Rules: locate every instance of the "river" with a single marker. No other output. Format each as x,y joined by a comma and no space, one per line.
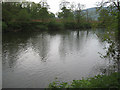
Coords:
33,60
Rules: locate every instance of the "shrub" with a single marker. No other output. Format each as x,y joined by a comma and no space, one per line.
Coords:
55,26
86,25
13,26
4,26
74,25
70,25
99,81
41,27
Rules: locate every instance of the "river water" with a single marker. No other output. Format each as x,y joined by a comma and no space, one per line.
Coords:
33,60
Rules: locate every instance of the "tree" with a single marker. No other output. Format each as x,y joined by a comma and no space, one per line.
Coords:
35,9
43,14
52,15
9,10
23,16
66,14
116,5
44,4
103,17
114,48
79,14
63,4
72,6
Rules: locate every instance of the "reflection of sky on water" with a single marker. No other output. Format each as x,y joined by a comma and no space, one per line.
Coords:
35,60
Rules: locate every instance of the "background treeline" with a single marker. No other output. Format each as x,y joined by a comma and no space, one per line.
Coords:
25,16
20,16
108,17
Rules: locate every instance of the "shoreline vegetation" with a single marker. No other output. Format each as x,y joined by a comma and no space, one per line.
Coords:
43,26
98,81
30,17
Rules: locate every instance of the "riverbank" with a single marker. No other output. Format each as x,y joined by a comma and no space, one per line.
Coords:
99,81
38,26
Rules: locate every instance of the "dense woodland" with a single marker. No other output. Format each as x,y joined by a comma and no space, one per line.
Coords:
19,16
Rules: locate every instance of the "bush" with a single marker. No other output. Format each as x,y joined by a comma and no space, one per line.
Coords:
41,27
86,25
99,81
38,26
74,25
13,26
55,26
94,25
70,25
4,26
23,16
79,26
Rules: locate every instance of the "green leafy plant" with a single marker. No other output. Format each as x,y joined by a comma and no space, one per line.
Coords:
98,81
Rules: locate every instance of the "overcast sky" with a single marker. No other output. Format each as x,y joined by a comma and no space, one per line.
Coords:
54,4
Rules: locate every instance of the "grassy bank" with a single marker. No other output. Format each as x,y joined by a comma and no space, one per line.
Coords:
99,81
37,26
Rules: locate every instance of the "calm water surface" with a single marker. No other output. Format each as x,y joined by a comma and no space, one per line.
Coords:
33,60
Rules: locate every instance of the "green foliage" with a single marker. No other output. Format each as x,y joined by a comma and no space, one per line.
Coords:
74,25
99,81
37,26
51,15
58,84
66,14
55,26
6,16
70,25
87,25
41,27
19,16
23,16
79,17
43,14
108,17
35,8
73,19
14,25
80,83
4,26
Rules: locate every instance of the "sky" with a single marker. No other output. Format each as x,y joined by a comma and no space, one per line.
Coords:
54,4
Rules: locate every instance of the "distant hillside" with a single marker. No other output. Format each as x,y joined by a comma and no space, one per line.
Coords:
92,13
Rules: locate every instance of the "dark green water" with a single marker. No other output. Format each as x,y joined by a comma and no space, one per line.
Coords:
33,60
